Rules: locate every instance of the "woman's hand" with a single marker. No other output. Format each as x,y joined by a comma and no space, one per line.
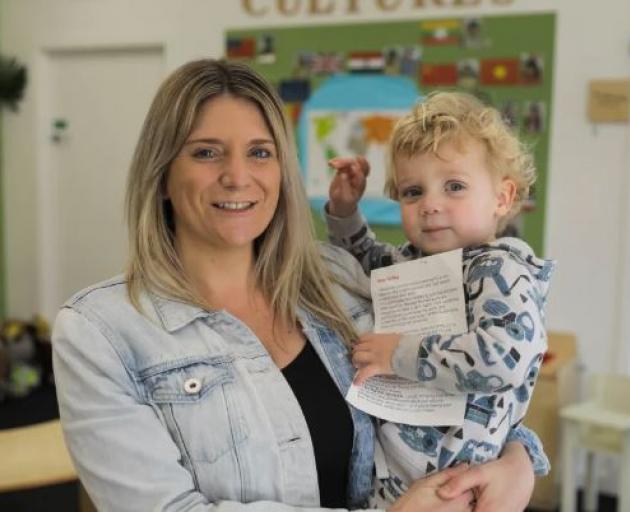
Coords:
422,496
505,484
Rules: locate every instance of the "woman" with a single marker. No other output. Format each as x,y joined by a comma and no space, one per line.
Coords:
211,376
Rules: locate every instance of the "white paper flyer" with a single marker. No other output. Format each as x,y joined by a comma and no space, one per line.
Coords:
423,296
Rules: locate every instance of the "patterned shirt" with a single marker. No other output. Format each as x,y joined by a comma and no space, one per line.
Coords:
495,363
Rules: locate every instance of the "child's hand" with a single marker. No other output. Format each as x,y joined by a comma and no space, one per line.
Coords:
372,355
348,185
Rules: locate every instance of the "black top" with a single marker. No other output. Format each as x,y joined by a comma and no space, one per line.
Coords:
329,423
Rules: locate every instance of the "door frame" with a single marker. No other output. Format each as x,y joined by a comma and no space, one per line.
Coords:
620,353
46,193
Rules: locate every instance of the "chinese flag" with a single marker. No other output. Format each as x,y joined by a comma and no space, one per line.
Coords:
499,72
439,74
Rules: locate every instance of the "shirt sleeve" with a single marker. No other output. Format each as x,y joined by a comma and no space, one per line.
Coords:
353,234
124,456
532,444
504,345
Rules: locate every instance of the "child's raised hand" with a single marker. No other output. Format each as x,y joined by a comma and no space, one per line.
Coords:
372,355
348,185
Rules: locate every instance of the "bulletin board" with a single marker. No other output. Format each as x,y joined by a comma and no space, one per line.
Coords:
345,85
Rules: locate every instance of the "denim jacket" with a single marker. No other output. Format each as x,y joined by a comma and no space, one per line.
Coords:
181,408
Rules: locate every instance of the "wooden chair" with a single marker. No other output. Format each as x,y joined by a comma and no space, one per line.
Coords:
555,389
36,456
600,424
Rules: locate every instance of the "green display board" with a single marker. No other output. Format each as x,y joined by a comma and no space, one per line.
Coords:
507,61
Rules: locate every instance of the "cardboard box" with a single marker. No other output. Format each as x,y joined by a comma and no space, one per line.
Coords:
556,387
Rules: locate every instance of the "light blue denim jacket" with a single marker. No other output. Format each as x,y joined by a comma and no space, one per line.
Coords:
183,409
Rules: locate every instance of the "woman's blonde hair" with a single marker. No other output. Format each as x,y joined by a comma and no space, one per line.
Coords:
288,268
453,116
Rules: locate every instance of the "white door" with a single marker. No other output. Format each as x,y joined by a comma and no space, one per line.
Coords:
96,103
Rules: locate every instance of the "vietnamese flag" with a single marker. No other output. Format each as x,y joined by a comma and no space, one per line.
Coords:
439,74
499,72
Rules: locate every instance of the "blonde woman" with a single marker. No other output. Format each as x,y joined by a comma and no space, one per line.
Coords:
211,375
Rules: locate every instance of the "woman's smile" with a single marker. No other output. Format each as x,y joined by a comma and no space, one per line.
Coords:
235,206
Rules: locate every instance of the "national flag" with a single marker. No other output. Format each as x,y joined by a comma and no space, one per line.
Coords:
326,63
499,71
440,32
294,90
365,62
241,47
439,74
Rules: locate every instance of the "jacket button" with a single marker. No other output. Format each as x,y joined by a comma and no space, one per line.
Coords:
192,386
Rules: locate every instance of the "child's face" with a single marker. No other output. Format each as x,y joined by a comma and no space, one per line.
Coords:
451,200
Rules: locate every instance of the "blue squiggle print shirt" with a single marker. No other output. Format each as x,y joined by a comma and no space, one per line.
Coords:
495,363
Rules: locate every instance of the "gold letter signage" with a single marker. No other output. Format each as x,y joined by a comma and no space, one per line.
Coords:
318,7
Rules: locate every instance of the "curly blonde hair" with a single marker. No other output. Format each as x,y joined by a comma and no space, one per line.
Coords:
453,116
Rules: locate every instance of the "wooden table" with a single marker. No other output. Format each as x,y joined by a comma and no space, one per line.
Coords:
34,456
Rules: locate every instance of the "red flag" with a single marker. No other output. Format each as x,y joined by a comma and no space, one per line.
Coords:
499,72
241,47
439,74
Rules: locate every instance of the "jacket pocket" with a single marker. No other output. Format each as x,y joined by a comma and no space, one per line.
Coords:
198,402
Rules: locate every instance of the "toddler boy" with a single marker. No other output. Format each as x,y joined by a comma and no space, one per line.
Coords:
459,175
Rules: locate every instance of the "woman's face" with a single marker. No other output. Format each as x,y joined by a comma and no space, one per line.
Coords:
225,183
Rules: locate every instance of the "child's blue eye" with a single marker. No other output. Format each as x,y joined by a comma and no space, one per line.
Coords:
411,193
455,186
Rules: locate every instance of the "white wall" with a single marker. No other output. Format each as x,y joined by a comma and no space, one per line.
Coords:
588,226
